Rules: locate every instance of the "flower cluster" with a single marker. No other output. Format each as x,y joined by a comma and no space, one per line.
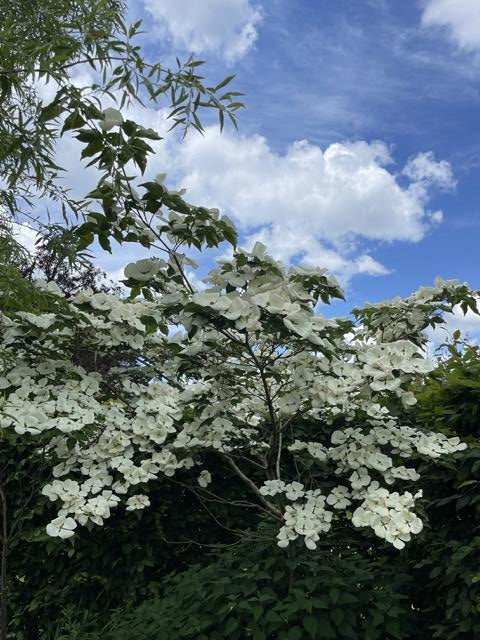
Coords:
308,519
389,515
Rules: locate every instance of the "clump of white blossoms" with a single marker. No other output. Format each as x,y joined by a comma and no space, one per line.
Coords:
279,395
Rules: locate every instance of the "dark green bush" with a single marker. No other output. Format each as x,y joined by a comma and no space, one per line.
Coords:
256,590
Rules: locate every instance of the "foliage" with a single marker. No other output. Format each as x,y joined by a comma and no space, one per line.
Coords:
56,259
253,590
445,560
119,565
445,563
167,424
450,399
46,41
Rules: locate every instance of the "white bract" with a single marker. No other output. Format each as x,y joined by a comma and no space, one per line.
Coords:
111,118
253,378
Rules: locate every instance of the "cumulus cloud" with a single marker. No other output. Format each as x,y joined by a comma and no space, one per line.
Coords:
460,17
311,205
424,168
314,205
224,27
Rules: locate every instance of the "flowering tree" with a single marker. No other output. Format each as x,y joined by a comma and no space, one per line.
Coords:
301,408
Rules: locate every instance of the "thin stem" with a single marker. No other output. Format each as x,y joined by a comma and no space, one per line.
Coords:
6,72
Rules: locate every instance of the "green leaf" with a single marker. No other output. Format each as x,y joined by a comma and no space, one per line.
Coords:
311,625
85,241
51,111
224,83
104,242
231,625
73,121
325,629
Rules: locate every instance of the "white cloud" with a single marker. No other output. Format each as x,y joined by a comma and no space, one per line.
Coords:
289,243
25,235
222,27
424,168
460,17
318,206
312,204
468,324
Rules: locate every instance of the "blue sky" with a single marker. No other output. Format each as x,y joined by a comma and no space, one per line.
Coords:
335,71
359,148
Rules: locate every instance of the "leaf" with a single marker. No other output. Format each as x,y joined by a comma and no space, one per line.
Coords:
224,82
51,111
73,121
231,625
104,242
311,625
85,241
257,613
325,629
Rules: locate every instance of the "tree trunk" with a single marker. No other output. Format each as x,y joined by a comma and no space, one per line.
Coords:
3,566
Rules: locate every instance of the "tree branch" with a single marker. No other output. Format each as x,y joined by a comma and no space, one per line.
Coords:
253,487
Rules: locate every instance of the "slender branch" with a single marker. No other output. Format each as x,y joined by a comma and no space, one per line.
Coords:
215,497
189,542
6,72
297,414
266,388
249,460
276,440
253,487
279,455
169,250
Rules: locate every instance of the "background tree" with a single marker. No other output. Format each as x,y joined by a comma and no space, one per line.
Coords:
46,41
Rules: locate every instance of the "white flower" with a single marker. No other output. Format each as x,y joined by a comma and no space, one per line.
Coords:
206,298
43,320
136,502
61,527
143,270
204,479
111,118
359,478
272,487
294,490
338,437
338,498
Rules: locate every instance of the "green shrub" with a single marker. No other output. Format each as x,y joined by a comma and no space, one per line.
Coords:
255,590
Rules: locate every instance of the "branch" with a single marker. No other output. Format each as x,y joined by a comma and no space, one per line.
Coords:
279,455
7,72
253,487
268,398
